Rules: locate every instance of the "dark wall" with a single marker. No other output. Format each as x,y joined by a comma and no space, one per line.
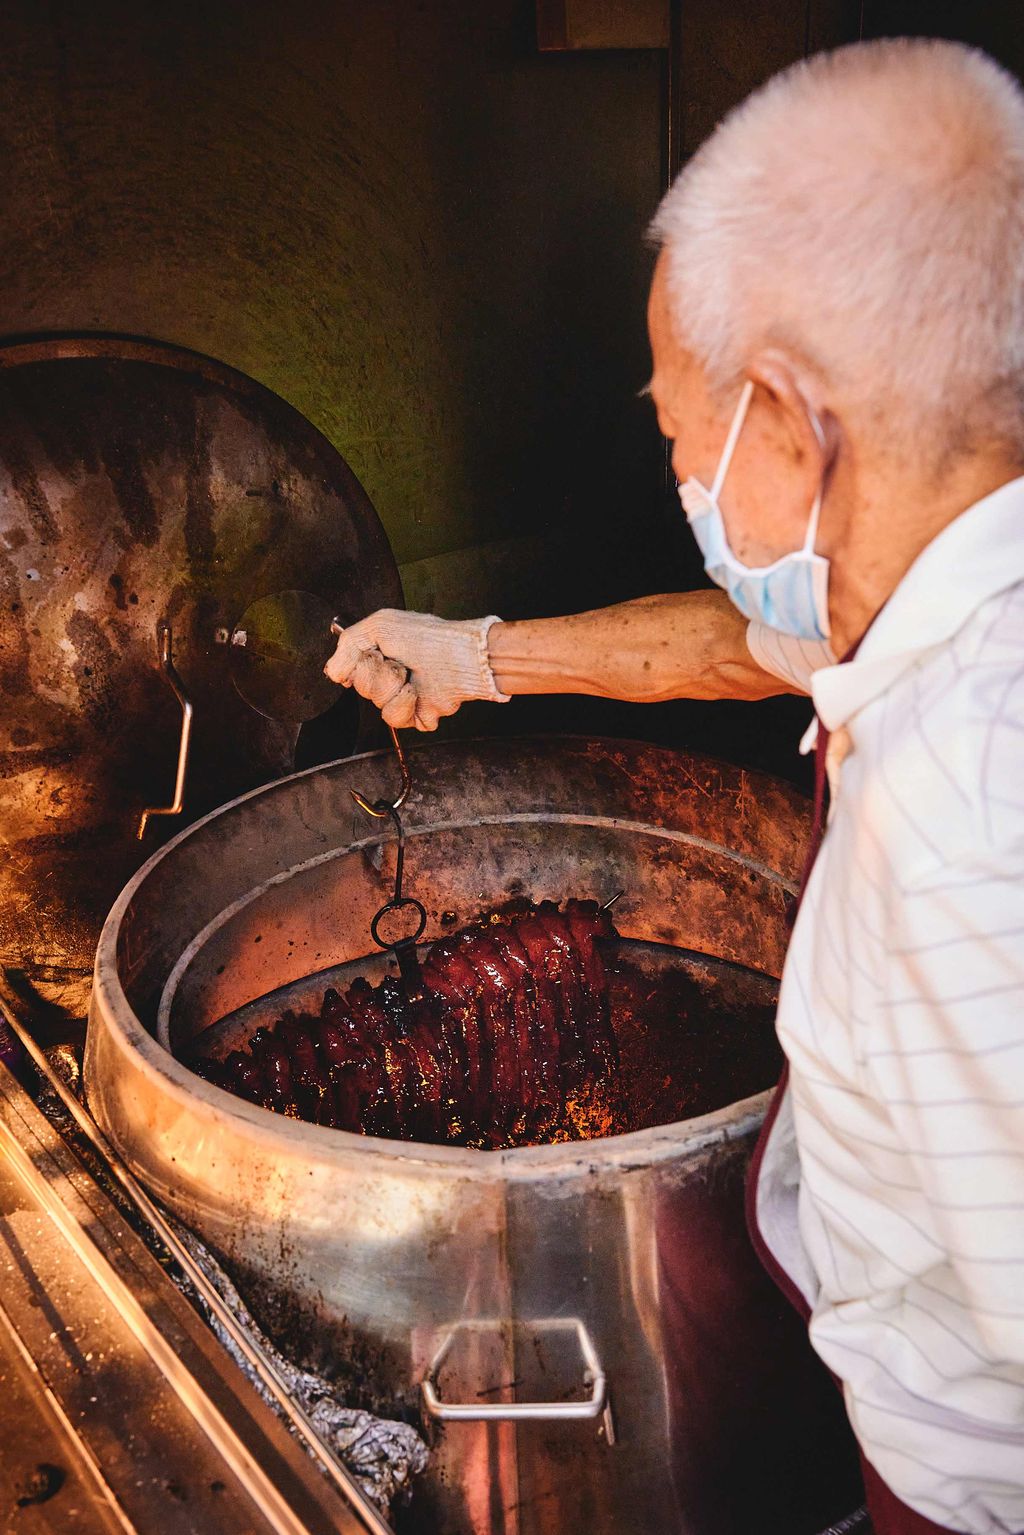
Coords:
397,215
995,25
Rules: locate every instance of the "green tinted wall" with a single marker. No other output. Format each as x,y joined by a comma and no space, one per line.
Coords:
399,216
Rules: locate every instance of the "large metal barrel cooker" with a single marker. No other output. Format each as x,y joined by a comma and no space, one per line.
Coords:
581,1328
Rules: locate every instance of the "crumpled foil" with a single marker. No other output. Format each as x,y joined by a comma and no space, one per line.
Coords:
64,1061
383,1455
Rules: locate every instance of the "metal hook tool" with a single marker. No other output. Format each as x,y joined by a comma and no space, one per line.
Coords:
404,949
383,807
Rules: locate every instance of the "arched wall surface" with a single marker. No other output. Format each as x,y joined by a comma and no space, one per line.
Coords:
399,216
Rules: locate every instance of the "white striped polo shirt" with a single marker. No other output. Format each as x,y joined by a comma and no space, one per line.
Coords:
892,1187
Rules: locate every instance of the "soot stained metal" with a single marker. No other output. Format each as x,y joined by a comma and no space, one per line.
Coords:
142,486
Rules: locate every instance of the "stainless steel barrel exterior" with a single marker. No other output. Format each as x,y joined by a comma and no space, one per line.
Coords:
532,1271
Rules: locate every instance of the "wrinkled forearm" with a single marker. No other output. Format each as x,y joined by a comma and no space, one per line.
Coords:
678,645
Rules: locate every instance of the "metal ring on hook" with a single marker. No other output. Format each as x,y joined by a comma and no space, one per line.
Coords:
403,901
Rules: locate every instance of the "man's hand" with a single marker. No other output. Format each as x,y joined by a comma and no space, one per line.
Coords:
416,668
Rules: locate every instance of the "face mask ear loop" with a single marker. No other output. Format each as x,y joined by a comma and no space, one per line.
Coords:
812,526
730,442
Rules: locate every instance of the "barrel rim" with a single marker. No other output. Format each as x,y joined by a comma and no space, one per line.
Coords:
111,1011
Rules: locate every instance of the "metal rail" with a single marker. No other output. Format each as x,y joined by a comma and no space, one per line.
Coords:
263,1367
223,1437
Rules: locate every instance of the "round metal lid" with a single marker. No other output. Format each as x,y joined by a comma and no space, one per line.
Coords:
142,485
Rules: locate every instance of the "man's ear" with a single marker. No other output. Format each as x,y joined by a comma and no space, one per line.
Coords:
808,426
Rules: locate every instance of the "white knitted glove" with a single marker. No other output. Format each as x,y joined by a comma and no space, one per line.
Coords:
416,667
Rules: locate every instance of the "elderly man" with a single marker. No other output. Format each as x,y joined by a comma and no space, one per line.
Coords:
837,323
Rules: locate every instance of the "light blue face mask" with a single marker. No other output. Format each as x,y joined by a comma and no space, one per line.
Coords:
791,594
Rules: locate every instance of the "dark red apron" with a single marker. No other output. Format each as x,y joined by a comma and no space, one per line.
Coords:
889,1515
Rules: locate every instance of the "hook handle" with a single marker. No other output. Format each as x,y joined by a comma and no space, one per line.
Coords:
164,643
381,807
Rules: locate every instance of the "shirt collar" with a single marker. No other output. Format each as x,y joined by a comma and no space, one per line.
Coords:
978,555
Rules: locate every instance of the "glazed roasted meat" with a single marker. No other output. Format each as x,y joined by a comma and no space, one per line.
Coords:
511,1025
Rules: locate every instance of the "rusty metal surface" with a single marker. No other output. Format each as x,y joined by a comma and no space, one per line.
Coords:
141,483
367,1254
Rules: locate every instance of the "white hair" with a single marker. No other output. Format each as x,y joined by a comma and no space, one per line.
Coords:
865,208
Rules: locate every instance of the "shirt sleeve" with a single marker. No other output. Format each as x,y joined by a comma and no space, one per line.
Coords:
793,660
949,1068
